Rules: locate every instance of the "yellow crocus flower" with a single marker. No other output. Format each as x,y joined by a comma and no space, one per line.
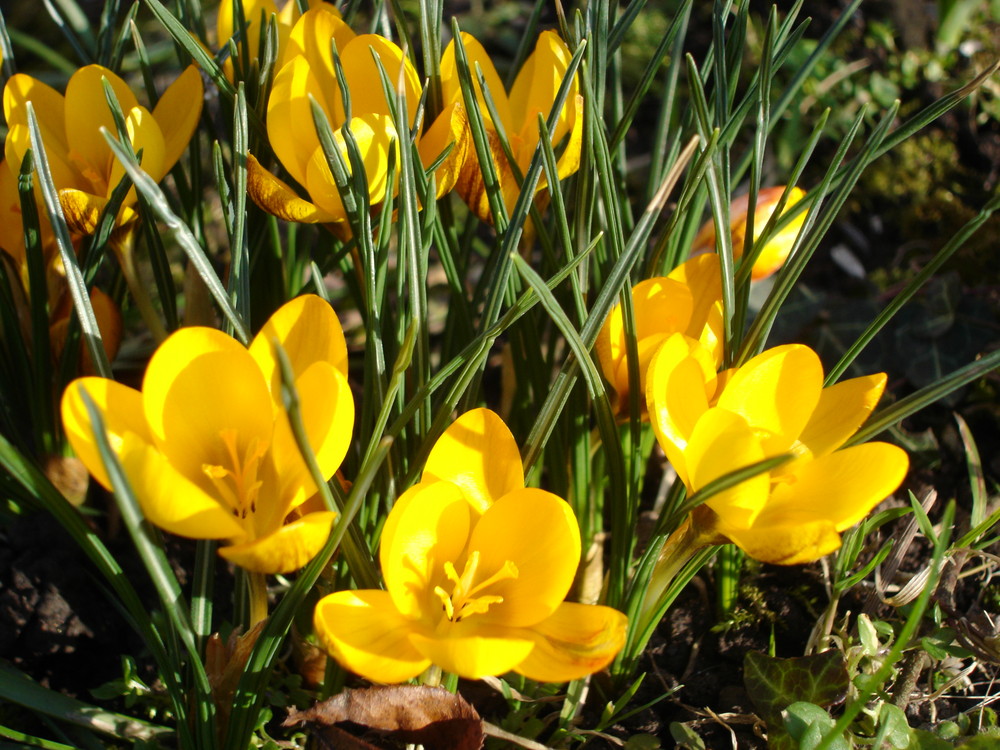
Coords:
207,446
533,94
84,170
253,11
774,253
476,569
688,300
774,404
307,73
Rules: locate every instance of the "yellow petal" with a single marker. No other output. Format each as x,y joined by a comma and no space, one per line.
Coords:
840,487
252,10
290,125
702,275
723,442
49,107
109,323
145,137
680,384
169,499
427,527
177,114
535,88
363,79
842,409
365,633
121,408
327,410
575,641
569,159
11,227
478,454
200,382
474,650
64,174
88,106
451,128
647,347
311,39
278,199
452,92
286,549
308,330
50,111
774,253
538,533
776,392
787,545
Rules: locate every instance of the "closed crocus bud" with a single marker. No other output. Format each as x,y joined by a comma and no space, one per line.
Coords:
774,253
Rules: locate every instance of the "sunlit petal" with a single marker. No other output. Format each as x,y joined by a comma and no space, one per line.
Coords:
286,549
723,442
86,100
177,114
776,392
787,545
311,39
121,409
474,650
574,641
364,81
366,634
200,383
145,138
169,499
308,330
476,55
429,526
841,487
842,409
327,412
290,125
477,453
546,553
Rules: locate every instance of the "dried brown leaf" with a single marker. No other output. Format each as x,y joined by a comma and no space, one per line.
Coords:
423,715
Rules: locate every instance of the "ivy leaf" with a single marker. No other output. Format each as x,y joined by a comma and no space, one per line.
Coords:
774,684
807,723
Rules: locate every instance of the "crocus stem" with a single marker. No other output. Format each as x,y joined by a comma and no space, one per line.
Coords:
126,259
258,597
685,540
431,676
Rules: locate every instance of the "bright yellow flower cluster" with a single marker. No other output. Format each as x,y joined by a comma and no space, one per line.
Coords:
307,73
775,404
84,170
476,569
207,445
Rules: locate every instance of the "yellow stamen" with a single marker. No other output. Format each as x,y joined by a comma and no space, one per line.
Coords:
237,482
464,599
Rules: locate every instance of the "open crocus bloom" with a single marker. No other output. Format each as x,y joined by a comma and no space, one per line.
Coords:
476,568
774,253
84,170
687,301
774,404
533,94
308,73
207,445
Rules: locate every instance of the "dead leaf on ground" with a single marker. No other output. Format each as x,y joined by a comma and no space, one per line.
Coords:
423,715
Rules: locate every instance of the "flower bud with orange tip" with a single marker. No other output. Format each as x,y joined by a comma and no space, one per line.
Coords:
774,253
